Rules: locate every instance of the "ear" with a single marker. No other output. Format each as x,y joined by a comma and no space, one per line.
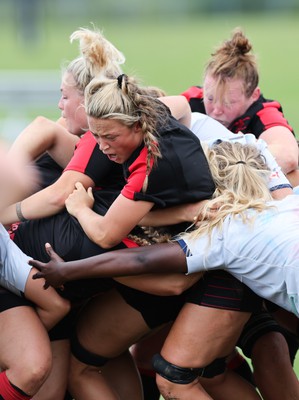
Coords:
256,94
137,127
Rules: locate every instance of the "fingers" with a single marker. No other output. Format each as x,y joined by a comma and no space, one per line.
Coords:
89,192
78,185
52,254
40,275
37,264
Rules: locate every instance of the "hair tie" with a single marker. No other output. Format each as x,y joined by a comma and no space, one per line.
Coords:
120,80
240,162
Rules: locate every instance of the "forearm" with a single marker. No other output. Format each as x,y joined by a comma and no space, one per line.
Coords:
43,135
171,284
173,215
160,258
283,146
42,204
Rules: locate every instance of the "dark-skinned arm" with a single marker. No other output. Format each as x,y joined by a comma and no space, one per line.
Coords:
159,258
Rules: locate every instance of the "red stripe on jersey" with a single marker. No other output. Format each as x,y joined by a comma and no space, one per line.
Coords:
271,116
193,92
82,153
137,175
129,243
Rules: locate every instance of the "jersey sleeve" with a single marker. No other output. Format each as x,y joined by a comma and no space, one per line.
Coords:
194,95
203,253
137,175
271,115
89,160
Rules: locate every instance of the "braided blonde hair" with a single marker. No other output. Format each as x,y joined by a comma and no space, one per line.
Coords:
124,100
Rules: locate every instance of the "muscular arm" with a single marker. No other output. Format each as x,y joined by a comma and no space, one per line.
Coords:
108,230
283,145
48,201
179,108
43,135
173,215
160,258
164,284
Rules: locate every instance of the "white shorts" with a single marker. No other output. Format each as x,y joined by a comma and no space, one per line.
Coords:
14,267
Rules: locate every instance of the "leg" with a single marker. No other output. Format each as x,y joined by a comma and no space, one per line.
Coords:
143,352
118,325
56,384
263,340
198,337
273,371
51,307
25,349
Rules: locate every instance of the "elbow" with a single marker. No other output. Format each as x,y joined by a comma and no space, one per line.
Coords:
176,287
57,200
106,243
292,164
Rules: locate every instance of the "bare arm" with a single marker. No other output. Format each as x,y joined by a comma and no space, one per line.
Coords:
179,108
160,258
173,215
168,284
283,145
43,135
48,201
108,230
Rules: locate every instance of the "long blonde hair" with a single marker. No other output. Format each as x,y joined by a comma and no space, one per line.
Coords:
241,178
98,58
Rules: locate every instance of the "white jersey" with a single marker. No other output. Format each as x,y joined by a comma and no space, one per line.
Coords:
207,128
14,267
264,255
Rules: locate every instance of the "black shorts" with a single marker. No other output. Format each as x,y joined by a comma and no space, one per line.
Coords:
219,289
156,310
10,300
258,325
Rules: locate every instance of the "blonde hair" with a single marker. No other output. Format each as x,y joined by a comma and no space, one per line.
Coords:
98,58
241,178
233,59
124,100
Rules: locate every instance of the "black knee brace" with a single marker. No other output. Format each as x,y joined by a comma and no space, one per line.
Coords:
181,375
86,356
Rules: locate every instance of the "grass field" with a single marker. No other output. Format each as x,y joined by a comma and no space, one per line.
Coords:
171,53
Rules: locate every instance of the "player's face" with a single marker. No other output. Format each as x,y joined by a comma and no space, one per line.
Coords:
71,104
230,104
115,139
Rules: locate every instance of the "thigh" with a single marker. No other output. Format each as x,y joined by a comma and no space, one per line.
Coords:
23,341
200,334
56,384
110,318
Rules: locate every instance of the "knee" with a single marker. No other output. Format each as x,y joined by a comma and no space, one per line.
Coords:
32,375
170,375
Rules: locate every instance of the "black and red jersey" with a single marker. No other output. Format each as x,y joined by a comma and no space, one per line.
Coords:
260,116
181,175
106,174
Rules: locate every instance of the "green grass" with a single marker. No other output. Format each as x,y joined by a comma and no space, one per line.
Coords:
171,53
